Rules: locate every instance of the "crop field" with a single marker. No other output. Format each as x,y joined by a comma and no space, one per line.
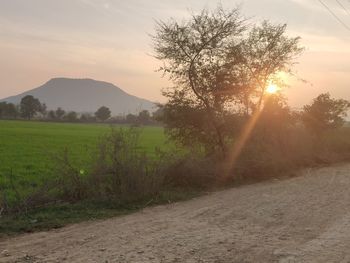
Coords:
28,149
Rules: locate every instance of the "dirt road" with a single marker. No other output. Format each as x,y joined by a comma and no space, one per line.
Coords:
303,219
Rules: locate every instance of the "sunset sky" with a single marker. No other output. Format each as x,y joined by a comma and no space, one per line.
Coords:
109,40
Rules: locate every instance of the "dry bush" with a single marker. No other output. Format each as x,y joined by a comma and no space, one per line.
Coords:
70,183
334,145
192,171
286,152
121,173
121,170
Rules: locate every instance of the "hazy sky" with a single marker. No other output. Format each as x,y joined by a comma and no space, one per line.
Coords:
109,40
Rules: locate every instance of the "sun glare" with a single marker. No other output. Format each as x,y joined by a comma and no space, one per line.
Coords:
272,89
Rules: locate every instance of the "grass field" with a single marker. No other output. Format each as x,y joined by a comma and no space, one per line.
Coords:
27,149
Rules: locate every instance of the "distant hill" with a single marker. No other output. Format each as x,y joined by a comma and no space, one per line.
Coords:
85,95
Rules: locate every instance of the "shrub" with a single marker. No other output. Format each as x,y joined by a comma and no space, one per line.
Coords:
325,113
71,183
192,171
119,172
122,171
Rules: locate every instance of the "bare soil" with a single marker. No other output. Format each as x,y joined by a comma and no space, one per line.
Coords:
302,219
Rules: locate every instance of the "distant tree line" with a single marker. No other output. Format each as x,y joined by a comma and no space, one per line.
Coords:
30,108
8,111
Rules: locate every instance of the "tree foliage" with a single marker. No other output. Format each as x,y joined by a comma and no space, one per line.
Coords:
220,66
8,110
51,115
103,113
325,113
71,116
144,117
60,113
86,117
30,106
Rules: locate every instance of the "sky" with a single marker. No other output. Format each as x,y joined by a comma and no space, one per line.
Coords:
110,40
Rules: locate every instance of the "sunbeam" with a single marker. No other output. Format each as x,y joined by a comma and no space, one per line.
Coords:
241,142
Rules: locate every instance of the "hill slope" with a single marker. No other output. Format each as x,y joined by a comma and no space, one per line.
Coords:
85,95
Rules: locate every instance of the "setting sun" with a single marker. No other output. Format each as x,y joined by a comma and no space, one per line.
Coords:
272,89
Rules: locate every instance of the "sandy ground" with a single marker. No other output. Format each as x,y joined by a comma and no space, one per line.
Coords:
302,219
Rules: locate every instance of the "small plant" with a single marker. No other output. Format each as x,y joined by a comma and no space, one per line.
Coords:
71,183
122,171
13,201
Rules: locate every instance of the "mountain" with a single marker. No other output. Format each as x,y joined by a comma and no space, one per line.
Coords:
85,95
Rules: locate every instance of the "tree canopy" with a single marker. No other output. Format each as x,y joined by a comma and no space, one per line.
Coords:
60,113
220,64
30,106
8,110
325,113
103,113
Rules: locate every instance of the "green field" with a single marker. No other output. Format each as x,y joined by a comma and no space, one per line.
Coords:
28,149
27,160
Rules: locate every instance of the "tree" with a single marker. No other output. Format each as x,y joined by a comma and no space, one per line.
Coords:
144,117
87,117
8,110
159,113
51,115
60,113
325,113
71,116
43,110
103,113
275,121
220,67
131,118
29,106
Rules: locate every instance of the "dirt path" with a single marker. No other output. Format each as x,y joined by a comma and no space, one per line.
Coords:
303,219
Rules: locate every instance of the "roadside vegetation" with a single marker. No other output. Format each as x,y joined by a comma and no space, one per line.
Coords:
225,116
28,150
